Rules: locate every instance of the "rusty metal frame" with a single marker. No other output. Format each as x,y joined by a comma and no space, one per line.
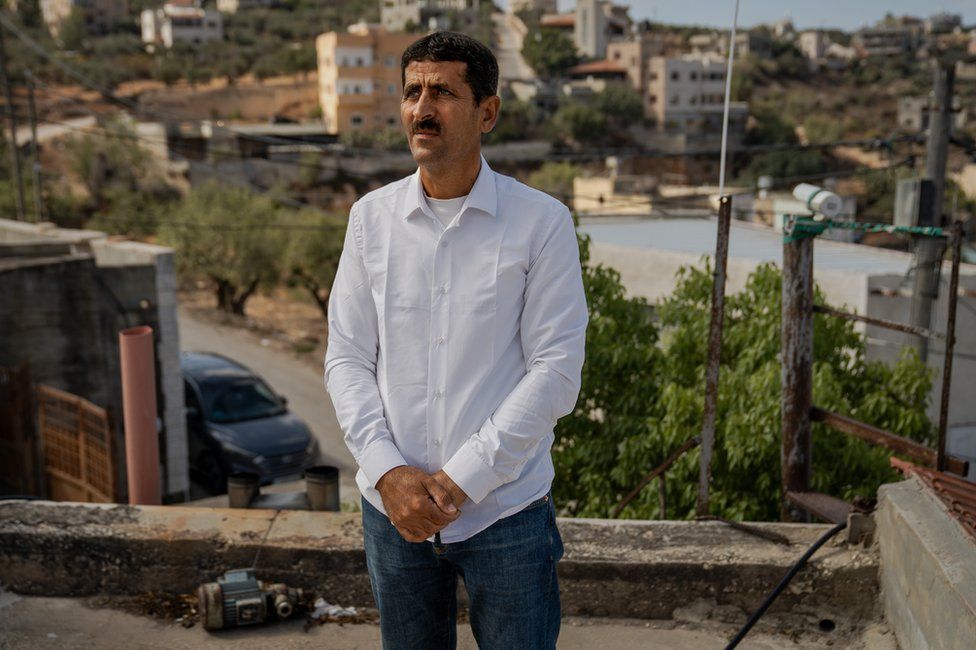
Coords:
879,322
716,324
797,354
882,438
688,444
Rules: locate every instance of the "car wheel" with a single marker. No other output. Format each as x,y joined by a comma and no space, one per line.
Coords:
212,473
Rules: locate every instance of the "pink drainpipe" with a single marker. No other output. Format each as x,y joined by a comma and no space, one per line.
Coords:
139,411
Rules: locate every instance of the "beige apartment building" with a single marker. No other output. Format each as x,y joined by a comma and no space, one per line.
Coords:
686,94
359,77
100,15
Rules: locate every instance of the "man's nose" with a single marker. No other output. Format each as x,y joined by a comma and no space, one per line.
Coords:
424,107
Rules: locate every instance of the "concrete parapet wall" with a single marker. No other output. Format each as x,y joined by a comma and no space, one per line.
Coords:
928,570
610,568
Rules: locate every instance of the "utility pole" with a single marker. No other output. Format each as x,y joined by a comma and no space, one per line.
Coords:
929,250
12,122
35,159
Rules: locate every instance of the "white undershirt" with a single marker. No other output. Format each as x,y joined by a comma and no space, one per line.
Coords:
445,209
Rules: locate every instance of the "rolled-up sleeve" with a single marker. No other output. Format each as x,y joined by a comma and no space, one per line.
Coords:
553,333
350,362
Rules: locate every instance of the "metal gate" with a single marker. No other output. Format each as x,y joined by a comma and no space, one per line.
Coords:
79,448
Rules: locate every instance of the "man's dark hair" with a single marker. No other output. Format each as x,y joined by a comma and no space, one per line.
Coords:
480,71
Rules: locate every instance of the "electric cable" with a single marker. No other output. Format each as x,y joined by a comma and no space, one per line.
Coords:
783,584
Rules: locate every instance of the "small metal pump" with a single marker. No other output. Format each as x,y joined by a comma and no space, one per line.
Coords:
239,598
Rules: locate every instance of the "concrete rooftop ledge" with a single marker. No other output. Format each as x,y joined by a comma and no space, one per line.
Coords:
928,569
623,569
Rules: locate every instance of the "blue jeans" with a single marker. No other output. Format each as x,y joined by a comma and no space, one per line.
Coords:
509,573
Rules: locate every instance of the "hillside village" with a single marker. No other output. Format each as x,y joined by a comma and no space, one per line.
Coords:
183,172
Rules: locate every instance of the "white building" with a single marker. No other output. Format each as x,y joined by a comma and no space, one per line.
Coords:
813,44
233,6
686,94
100,15
181,22
399,15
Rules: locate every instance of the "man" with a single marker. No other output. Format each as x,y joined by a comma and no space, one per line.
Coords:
456,334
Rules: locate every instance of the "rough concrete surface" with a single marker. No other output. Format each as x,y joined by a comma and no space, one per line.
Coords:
619,569
928,569
38,622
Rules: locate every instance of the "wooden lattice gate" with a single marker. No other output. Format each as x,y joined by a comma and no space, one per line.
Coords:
79,448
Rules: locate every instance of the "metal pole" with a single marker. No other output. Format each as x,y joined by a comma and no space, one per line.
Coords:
714,352
728,98
35,159
138,365
12,123
949,344
928,250
797,373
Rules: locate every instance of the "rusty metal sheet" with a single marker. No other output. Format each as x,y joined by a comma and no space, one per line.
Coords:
958,494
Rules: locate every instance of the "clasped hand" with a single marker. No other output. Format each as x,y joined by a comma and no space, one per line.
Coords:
419,504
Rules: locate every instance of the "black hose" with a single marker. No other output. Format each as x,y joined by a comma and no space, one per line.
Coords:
782,585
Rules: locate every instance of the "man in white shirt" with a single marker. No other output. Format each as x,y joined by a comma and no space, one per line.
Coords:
456,334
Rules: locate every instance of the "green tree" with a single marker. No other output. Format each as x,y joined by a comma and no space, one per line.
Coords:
621,104
109,159
549,52
642,396
579,123
227,235
314,257
73,30
555,178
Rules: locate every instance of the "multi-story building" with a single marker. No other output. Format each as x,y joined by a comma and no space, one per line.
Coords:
886,41
686,95
359,77
942,23
402,15
813,44
233,6
181,21
100,15
754,43
913,114
544,6
593,24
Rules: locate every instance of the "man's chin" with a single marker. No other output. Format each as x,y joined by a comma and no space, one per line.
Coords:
423,154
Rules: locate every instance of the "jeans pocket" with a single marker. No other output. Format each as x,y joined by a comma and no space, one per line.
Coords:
555,539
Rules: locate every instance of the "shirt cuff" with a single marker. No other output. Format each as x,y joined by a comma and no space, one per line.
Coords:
470,472
378,459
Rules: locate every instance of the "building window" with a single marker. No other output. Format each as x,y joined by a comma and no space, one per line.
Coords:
674,100
390,61
652,76
391,121
693,100
391,89
356,120
359,61
675,76
694,76
652,99
616,56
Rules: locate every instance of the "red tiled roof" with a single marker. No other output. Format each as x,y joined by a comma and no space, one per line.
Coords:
958,494
558,20
594,67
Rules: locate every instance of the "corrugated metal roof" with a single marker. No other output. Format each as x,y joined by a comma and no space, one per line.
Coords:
746,241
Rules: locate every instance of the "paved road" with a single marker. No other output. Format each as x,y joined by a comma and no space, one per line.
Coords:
290,376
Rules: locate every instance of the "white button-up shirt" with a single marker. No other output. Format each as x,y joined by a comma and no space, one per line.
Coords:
457,347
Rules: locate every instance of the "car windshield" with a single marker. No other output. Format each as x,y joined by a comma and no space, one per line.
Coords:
244,399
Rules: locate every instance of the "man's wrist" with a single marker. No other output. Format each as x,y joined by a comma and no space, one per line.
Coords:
386,474
458,496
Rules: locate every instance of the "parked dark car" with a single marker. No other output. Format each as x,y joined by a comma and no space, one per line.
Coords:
236,423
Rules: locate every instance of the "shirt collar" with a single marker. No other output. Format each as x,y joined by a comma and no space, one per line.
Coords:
483,195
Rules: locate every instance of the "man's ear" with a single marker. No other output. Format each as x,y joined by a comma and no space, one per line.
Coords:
489,113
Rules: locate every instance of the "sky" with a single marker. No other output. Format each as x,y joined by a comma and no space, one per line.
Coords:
845,14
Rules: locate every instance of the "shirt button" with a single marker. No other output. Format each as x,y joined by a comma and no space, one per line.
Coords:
437,443
438,394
